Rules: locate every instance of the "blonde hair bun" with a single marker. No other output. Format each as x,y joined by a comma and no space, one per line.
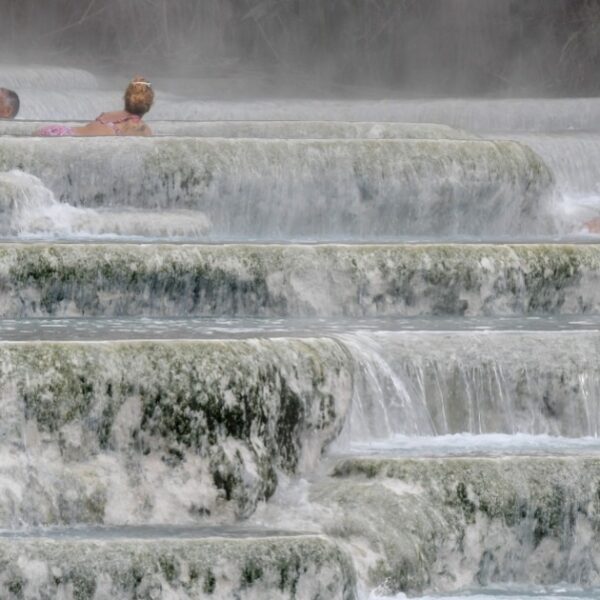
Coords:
139,96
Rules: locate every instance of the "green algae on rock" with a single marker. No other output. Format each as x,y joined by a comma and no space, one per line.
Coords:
187,430
451,523
281,568
298,281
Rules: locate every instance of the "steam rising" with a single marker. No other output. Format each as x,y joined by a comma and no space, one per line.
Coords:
425,46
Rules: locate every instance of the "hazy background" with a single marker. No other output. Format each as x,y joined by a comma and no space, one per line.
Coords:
353,47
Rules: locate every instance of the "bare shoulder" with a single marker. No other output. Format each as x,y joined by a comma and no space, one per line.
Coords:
111,117
138,128
145,129
94,128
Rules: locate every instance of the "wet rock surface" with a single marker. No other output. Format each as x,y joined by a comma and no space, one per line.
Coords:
296,281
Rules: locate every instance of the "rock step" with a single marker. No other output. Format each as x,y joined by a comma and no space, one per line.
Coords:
154,566
297,280
474,114
177,431
109,433
455,523
293,189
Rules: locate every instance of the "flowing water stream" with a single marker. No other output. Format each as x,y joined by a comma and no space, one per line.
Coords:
299,349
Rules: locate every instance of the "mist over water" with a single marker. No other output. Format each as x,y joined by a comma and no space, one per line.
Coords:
341,47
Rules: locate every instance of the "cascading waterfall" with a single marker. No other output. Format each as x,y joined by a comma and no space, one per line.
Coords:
573,159
30,208
504,189
382,405
31,211
361,190
320,387
436,384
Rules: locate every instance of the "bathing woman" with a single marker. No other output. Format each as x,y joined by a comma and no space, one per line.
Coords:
139,97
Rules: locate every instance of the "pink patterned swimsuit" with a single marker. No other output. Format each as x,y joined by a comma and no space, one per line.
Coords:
127,117
64,130
55,131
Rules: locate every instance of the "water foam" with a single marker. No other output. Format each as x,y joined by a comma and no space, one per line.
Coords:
30,208
33,213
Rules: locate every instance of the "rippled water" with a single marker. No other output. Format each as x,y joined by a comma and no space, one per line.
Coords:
509,593
466,444
88,329
145,532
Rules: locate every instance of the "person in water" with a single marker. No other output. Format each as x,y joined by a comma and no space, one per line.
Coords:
139,97
9,104
592,226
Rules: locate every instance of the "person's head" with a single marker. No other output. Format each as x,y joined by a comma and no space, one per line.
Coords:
139,97
9,104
